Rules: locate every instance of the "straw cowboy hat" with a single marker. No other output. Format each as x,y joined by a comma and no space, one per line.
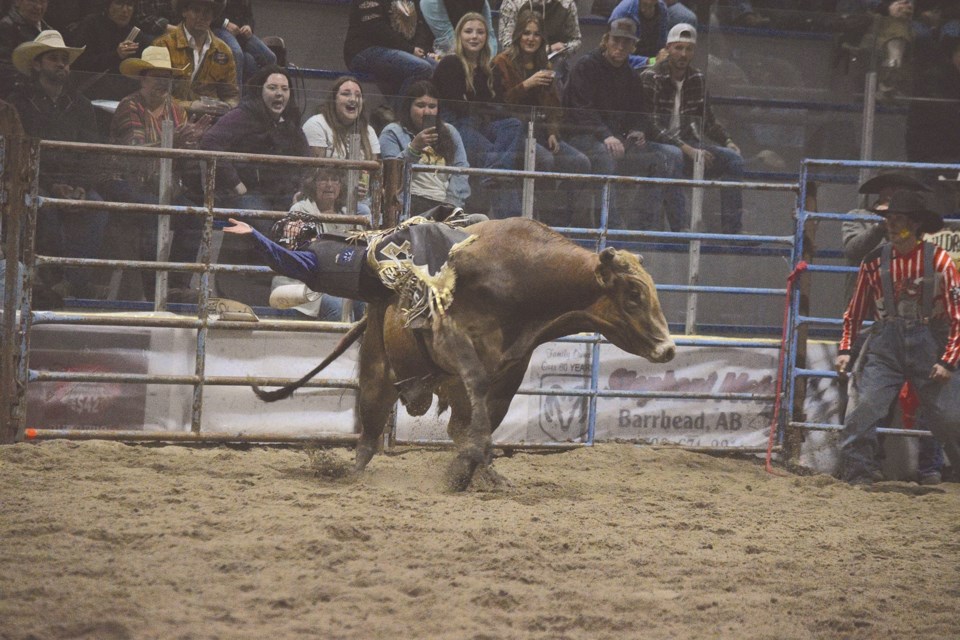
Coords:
152,59
179,6
914,205
50,40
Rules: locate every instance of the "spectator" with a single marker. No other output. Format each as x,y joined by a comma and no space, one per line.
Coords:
328,133
249,51
676,94
561,28
933,126
859,239
156,18
603,102
266,122
23,23
49,109
389,40
523,76
104,34
66,15
322,195
420,137
910,287
468,102
443,15
212,85
653,22
138,122
678,12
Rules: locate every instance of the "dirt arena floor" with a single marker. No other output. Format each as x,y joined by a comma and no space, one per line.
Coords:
109,541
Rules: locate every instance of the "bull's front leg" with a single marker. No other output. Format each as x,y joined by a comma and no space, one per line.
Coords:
377,395
470,419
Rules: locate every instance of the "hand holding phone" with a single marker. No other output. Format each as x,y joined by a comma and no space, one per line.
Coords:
429,121
132,36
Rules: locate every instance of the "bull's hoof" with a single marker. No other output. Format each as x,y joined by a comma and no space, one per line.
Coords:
485,478
364,455
460,473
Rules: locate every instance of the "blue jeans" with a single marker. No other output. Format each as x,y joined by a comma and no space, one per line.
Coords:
898,351
331,309
69,233
678,13
249,56
562,201
727,165
393,70
639,201
493,145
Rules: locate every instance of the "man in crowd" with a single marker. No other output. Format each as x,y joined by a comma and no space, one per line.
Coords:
933,126
211,83
49,109
859,238
653,24
603,106
23,23
676,94
912,289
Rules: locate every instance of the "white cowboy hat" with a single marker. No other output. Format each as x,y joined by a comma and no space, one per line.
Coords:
152,59
49,40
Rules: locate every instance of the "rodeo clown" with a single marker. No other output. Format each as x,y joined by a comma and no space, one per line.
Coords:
912,289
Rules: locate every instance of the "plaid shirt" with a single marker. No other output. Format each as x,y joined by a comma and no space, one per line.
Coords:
659,92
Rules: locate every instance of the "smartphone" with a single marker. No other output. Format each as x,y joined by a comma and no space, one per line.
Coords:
429,120
132,36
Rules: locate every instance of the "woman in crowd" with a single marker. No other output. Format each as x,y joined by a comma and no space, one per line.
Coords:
322,194
420,137
389,40
468,102
443,15
522,76
266,122
104,34
328,132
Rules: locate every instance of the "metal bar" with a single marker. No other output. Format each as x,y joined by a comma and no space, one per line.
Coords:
31,172
220,212
153,378
158,152
868,121
693,264
164,235
174,322
200,361
529,165
879,164
376,199
406,193
618,393
683,182
707,289
823,426
187,436
353,152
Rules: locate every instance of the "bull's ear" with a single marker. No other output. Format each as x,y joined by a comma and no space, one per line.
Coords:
606,270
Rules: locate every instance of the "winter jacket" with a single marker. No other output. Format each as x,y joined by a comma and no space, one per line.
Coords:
217,76
602,100
697,121
374,23
14,30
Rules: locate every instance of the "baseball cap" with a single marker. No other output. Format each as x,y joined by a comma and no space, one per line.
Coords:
623,28
682,32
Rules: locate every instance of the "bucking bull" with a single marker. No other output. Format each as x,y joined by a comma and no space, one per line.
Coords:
505,287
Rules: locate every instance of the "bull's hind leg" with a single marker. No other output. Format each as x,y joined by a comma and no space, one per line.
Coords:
470,421
377,395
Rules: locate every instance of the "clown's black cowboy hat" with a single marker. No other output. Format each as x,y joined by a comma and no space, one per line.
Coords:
913,205
896,179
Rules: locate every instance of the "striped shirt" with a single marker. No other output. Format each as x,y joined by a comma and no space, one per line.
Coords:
907,276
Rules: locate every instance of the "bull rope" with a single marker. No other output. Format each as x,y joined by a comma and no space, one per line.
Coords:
791,281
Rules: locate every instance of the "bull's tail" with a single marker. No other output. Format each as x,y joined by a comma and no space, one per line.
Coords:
285,392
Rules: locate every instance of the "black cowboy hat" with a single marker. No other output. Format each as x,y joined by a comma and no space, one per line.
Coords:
913,205
896,179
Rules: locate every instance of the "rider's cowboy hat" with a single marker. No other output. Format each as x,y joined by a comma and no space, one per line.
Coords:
179,6
895,179
913,205
49,40
152,59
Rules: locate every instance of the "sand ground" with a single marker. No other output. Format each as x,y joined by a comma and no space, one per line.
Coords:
109,541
